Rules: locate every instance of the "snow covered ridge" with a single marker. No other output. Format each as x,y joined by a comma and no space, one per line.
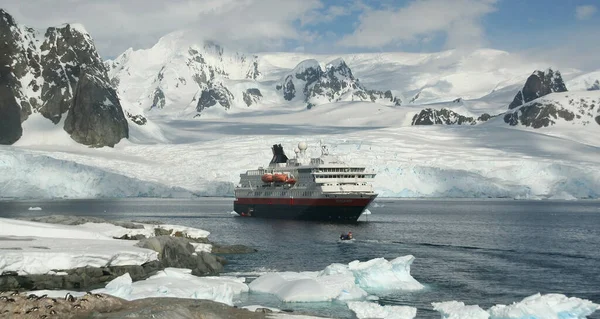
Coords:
178,76
566,108
309,83
30,247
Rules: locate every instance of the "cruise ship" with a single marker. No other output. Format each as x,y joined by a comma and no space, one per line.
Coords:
322,188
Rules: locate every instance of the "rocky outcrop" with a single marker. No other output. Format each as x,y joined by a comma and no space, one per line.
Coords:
19,60
376,96
66,53
10,115
548,111
137,119
252,96
444,116
179,253
215,93
158,101
595,86
335,83
538,115
77,278
539,84
96,117
43,73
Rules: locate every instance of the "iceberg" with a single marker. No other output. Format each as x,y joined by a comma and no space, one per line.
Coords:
549,306
339,282
377,275
365,309
458,310
177,283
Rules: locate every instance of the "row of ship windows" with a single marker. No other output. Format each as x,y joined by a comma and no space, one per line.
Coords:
345,176
340,170
294,193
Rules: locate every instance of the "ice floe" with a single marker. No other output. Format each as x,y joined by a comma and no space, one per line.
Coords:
549,306
365,309
340,282
177,283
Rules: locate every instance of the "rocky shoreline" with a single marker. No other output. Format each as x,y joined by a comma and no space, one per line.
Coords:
30,306
177,247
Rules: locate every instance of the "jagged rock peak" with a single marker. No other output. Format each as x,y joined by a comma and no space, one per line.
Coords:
96,117
308,70
538,84
43,72
340,67
6,18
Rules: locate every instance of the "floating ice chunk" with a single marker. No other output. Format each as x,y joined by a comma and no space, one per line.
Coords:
364,309
177,283
308,287
382,275
550,306
303,290
338,281
267,283
458,310
35,208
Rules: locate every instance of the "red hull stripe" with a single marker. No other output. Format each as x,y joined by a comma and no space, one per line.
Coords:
305,201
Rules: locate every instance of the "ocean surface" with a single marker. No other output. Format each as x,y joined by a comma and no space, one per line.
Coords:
483,252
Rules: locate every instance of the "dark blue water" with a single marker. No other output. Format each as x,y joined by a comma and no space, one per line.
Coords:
483,252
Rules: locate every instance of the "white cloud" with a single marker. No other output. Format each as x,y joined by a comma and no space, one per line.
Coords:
117,25
459,20
585,12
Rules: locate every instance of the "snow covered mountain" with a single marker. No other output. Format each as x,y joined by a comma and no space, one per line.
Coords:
180,77
189,106
336,83
52,74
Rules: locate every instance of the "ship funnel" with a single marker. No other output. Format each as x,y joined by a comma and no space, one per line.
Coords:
278,154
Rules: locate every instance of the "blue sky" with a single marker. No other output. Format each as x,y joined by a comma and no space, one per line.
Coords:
565,30
510,25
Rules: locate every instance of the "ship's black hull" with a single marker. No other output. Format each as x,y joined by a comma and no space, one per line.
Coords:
301,212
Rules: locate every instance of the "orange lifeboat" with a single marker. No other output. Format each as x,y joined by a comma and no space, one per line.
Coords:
267,178
279,177
291,180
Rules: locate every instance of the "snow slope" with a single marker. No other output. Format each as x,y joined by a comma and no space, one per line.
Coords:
492,159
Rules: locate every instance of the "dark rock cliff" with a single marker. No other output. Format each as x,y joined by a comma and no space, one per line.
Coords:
42,74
